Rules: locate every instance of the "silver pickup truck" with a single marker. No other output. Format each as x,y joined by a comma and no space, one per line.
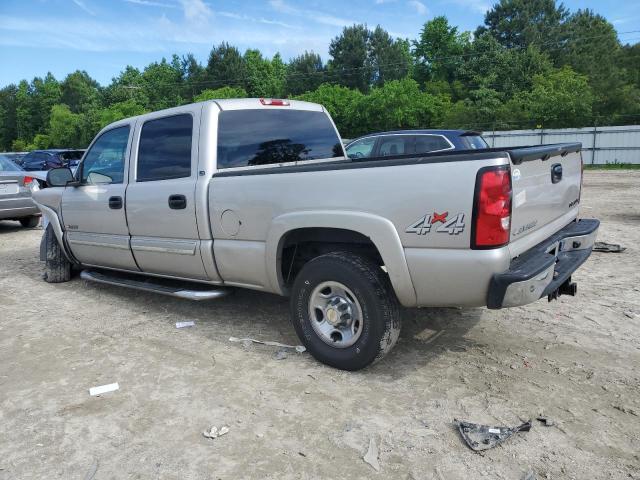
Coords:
259,194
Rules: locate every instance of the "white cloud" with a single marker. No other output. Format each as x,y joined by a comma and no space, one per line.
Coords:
319,17
195,10
152,3
84,7
480,6
420,7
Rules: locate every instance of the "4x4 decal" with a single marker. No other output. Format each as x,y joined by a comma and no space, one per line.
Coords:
452,226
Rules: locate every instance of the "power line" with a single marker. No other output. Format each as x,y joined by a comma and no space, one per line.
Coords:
241,81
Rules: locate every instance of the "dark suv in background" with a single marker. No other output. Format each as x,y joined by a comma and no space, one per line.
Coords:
408,142
48,159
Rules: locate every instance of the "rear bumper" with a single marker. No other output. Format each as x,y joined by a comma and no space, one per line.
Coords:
544,270
17,206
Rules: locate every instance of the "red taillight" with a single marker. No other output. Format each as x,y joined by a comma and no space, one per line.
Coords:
28,180
274,102
492,209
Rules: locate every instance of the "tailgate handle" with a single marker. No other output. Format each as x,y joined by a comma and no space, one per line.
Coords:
177,202
556,172
115,203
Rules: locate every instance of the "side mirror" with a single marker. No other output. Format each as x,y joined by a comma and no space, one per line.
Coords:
59,177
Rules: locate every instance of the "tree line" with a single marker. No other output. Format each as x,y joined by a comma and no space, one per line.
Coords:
532,64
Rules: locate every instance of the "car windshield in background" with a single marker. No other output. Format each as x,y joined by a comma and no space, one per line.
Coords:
71,155
473,142
7,165
263,137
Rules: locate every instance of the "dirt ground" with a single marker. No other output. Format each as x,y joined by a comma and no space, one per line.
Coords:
576,360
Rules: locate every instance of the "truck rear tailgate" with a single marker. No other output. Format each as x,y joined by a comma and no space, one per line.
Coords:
546,183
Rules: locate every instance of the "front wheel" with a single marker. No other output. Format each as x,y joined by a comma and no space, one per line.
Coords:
57,267
344,310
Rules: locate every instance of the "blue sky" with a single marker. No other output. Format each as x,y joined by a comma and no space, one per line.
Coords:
102,36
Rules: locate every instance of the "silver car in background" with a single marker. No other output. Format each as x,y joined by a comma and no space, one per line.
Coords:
16,187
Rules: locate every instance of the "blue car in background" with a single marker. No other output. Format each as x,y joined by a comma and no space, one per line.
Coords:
39,160
411,142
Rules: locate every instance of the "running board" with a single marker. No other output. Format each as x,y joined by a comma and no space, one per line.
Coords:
169,287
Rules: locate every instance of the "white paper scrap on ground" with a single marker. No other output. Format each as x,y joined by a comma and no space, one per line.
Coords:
93,391
298,348
189,323
371,457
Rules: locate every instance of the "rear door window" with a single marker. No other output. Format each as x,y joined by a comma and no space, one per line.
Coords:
391,145
473,142
431,143
265,137
164,151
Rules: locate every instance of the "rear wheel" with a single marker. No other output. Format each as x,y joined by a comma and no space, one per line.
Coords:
57,267
344,310
30,222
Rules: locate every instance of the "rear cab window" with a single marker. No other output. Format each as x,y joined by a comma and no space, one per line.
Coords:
257,137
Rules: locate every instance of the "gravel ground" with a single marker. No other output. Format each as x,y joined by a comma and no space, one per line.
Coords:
576,360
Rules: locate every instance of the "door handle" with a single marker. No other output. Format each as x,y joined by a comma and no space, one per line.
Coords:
556,173
177,202
115,203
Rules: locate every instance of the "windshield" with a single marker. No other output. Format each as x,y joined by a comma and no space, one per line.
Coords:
7,165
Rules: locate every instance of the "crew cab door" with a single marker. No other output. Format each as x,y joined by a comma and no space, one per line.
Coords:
93,212
161,207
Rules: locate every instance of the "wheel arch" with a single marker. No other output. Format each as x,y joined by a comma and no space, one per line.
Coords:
354,226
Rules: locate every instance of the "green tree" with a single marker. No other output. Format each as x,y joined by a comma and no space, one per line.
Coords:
226,67
350,63
438,52
8,130
220,93
361,58
592,48
64,127
520,23
562,98
400,104
33,105
80,92
265,78
342,103
304,73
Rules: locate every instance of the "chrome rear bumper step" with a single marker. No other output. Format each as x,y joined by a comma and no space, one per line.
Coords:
171,288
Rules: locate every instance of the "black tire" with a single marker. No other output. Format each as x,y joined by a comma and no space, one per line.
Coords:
57,267
373,291
30,222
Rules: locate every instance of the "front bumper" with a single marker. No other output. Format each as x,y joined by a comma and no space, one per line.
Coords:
544,270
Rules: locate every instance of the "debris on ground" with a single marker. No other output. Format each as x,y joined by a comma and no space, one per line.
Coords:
483,437
371,457
608,247
92,470
624,409
188,323
94,391
547,422
215,432
297,348
280,354
530,475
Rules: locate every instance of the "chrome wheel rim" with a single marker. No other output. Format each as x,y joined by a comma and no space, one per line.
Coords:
335,314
